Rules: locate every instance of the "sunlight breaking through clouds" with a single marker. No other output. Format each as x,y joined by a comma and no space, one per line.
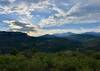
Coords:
48,13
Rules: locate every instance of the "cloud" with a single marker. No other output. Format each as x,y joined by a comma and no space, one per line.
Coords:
97,29
59,31
24,9
11,1
78,13
94,1
21,27
51,13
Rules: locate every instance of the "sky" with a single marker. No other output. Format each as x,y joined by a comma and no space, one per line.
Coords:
40,17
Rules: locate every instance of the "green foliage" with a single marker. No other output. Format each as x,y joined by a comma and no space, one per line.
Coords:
13,51
62,61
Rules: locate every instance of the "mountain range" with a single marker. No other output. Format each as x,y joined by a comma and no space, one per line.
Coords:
69,34
49,43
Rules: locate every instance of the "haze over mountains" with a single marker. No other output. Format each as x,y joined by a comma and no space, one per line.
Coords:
70,33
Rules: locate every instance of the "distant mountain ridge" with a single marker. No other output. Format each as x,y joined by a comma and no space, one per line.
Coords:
70,34
93,33
48,43
64,34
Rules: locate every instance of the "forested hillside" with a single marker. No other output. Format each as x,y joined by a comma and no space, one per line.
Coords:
20,52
